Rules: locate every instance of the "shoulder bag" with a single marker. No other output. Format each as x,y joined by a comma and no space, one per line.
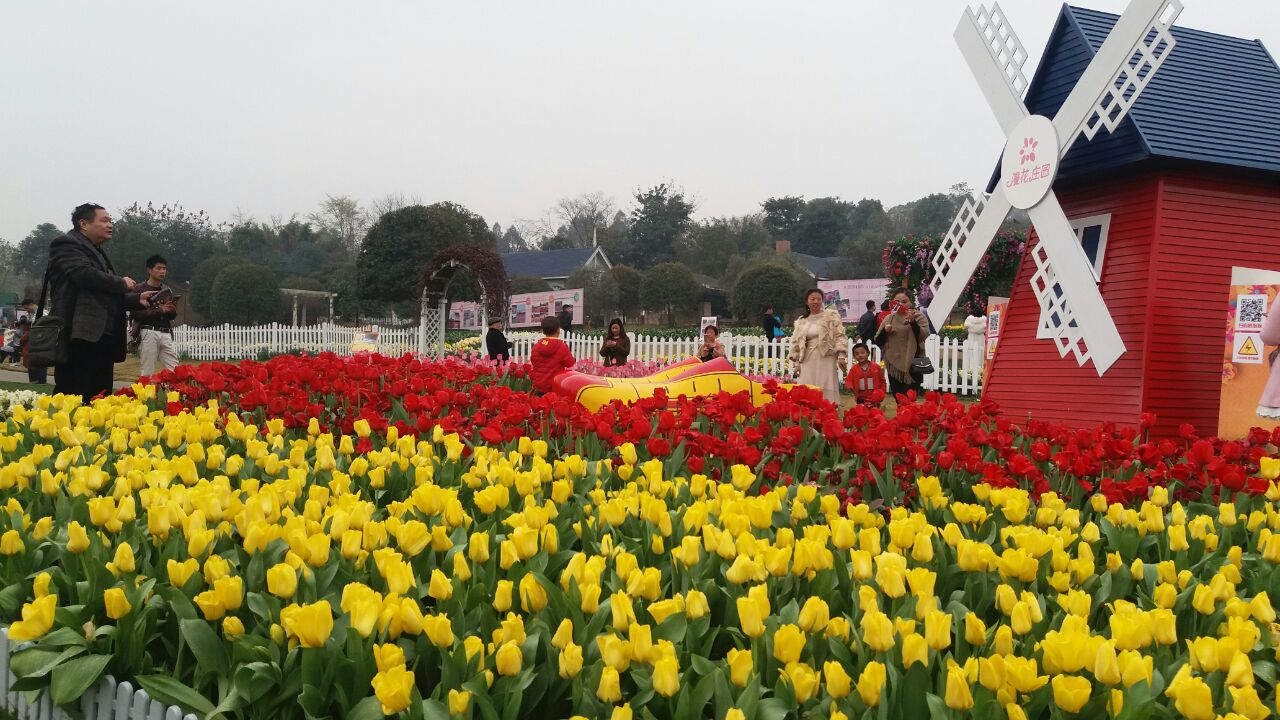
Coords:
47,343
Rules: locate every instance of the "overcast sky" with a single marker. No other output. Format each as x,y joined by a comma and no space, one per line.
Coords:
266,106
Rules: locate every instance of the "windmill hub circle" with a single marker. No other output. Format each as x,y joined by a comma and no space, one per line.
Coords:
1030,161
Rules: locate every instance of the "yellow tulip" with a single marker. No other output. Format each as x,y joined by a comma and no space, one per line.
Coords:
615,652
123,562
40,586
623,613
509,659
814,615
937,629
282,580
77,538
232,627
1106,667
1240,671
563,636
621,712
891,573
210,605
1261,608
914,650
735,714
740,666
1191,696
871,682
478,547
1245,702
1135,667
958,695
438,629
750,617
609,689
788,644
666,676
11,543
117,604
310,624
803,679
394,689
37,619
459,701
441,588
181,572
533,597
570,661
387,656
975,631
877,631
838,681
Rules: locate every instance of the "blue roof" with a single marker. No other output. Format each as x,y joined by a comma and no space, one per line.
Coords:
1216,99
547,264
819,267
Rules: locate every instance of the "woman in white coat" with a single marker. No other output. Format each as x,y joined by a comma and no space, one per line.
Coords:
819,347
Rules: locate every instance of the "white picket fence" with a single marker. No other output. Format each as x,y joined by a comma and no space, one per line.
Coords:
958,363
108,700
235,342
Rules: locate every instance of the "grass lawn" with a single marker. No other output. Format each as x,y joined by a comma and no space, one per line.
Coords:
7,385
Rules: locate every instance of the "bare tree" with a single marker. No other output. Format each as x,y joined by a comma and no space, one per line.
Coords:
391,202
342,217
574,222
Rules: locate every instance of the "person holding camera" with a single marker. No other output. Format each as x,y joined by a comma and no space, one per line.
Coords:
154,324
901,336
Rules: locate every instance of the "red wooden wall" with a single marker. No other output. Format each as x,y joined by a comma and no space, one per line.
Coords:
1209,221
1173,240
1028,378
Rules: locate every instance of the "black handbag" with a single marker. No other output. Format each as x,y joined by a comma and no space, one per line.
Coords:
921,365
47,343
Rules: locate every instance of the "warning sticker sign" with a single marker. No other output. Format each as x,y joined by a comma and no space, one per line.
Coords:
1248,349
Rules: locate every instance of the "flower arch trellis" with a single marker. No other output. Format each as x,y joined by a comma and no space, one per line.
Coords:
489,272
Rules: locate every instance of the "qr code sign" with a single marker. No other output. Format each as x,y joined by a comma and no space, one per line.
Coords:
1250,310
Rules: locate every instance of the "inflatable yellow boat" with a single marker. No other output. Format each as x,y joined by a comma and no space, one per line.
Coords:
689,377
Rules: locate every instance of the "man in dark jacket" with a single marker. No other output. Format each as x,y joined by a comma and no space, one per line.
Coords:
91,299
867,324
496,343
565,317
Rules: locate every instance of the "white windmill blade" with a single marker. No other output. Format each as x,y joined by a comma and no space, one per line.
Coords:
1084,325
962,249
987,41
1134,49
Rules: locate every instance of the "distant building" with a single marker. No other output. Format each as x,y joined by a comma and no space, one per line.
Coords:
821,268
555,266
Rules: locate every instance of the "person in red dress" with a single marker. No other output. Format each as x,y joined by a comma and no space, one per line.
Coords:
865,379
549,357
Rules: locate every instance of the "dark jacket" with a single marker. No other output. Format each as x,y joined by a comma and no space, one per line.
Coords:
867,326
616,355
153,318
87,291
770,326
565,318
497,345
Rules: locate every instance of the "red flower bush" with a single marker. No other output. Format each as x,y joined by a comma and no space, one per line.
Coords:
799,437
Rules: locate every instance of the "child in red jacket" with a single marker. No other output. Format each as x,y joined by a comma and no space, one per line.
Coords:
549,357
865,378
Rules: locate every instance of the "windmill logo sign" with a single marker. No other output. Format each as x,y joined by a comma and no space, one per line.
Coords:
1025,166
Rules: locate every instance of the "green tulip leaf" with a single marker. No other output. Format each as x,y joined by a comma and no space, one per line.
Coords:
72,678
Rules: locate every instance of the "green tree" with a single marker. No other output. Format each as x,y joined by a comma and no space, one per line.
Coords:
825,224
256,243
599,291
204,276
245,294
763,284
187,237
402,241
670,286
629,280
661,215
342,217
708,247
33,251
782,215
130,246
528,284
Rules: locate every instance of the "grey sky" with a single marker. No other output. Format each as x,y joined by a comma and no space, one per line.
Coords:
505,108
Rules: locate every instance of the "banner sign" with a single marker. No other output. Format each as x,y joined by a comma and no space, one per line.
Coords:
1247,372
365,340
997,310
528,309
713,320
464,316
849,297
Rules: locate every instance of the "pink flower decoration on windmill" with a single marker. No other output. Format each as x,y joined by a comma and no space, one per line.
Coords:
1028,152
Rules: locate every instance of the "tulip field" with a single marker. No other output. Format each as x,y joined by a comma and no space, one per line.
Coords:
327,537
